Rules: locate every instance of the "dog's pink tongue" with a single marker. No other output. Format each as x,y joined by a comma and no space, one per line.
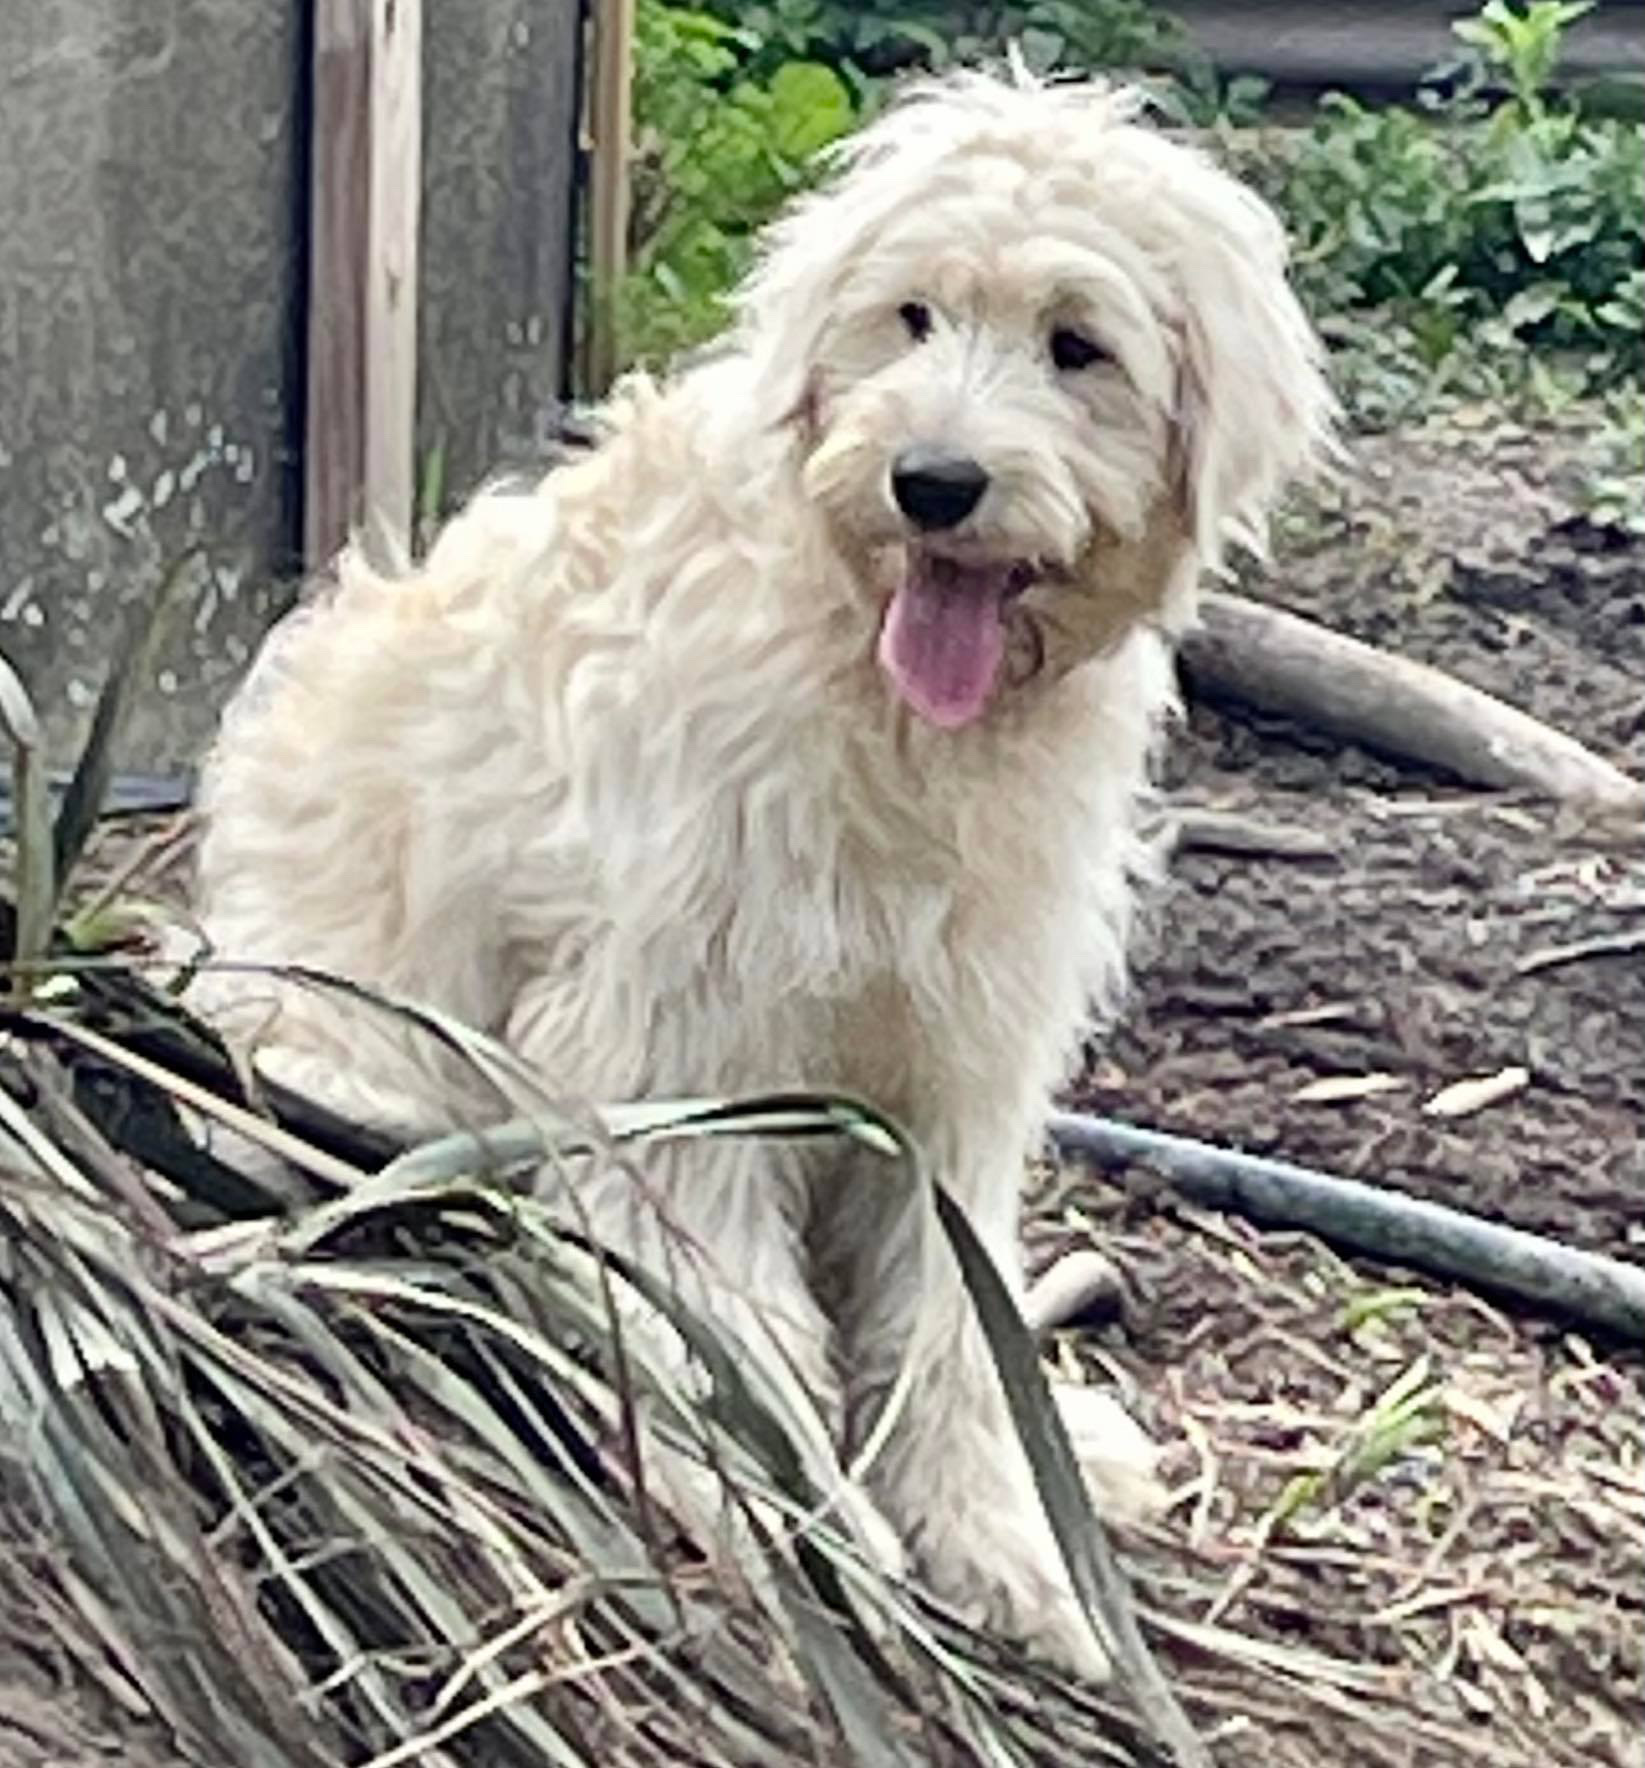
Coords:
943,638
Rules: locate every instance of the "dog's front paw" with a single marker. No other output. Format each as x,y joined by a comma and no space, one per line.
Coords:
1006,1577
1117,1457
1046,1617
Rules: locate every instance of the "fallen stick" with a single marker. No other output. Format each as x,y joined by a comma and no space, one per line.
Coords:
1194,830
1281,662
1077,1284
1587,1286
1602,945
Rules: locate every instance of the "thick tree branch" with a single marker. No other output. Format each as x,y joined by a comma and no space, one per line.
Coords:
1280,662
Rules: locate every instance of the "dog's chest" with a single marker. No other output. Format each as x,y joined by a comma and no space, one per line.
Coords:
818,908
784,893
829,889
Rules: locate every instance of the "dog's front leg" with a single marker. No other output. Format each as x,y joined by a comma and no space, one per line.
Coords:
951,1475
717,1224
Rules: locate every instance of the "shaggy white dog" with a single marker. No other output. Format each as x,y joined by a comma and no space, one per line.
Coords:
796,735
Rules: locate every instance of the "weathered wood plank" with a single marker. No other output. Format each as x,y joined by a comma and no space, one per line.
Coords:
339,210
181,308
611,124
391,270
362,326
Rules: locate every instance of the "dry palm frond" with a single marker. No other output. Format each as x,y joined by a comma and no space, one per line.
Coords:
359,1480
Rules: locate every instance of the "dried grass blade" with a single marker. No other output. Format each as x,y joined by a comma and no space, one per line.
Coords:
263,1418
1086,1552
43,1153
590,1524
841,1678
237,1117
133,664
36,880
139,1613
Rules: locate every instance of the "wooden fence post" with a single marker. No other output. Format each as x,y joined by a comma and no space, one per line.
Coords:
365,197
391,271
339,203
611,124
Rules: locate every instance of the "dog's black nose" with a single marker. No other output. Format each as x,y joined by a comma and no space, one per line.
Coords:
934,489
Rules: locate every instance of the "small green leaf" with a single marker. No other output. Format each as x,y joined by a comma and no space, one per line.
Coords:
810,107
1380,1304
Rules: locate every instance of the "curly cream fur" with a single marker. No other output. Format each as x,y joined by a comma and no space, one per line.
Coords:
615,774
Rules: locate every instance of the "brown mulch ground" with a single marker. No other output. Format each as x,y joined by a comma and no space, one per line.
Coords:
1475,1581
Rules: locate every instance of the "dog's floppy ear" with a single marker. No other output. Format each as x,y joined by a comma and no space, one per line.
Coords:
784,302
1253,406
808,255
782,344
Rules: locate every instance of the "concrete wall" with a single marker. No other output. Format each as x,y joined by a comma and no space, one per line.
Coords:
153,187
149,216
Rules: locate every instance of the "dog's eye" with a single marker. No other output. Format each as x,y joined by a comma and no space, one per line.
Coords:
1072,350
916,316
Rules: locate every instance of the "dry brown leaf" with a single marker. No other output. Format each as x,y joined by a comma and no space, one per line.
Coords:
1495,1418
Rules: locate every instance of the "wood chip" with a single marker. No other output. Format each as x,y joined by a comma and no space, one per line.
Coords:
1496,1418
1464,1097
1080,1282
1325,1014
1197,830
1341,1089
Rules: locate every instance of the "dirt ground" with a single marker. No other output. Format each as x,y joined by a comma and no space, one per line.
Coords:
1408,1525
1461,548
1478,1594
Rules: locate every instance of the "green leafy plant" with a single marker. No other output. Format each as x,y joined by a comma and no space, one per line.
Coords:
878,38
720,147
1406,1416
732,104
1495,240
1525,46
1487,242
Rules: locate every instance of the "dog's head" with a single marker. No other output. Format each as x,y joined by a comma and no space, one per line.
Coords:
1041,363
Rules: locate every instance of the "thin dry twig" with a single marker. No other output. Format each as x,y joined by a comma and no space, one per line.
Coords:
1602,945
1198,829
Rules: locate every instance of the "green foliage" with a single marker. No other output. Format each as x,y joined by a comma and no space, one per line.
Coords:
721,146
1523,45
1473,229
878,38
1381,203
1490,241
1406,1417
732,103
